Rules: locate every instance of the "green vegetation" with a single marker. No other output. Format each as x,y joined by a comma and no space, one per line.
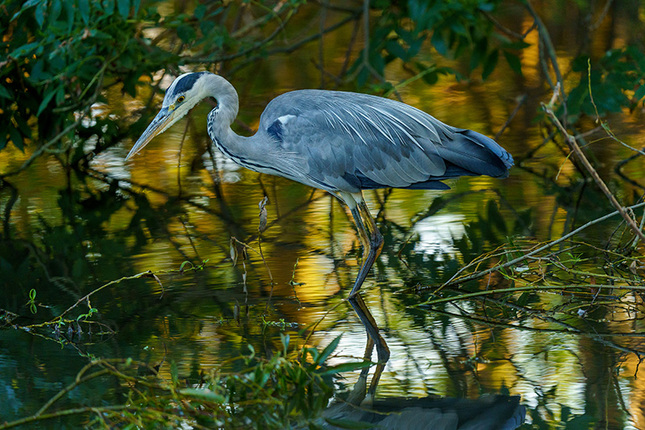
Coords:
61,56
290,389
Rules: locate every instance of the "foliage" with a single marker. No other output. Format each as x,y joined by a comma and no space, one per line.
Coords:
613,83
289,389
456,30
60,56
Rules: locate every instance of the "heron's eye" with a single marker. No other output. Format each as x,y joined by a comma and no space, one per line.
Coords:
180,99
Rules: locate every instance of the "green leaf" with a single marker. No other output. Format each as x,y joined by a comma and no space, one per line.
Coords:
285,343
486,7
184,264
69,12
60,95
517,45
514,62
479,53
329,349
208,396
24,50
124,8
39,13
54,11
174,372
200,11
457,27
490,63
439,43
4,93
186,33
475,59
26,5
16,138
394,48
108,7
137,6
23,127
48,98
640,93
84,9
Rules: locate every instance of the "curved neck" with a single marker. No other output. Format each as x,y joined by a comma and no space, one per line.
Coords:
224,94
223,115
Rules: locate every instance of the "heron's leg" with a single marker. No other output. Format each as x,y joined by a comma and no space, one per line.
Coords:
375,236
374,240
360,227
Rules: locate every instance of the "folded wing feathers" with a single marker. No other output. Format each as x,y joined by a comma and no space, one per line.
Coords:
360,140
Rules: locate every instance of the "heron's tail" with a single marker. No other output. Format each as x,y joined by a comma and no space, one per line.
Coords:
468,153
472,153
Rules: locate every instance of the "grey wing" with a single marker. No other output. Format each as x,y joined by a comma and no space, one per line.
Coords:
350,141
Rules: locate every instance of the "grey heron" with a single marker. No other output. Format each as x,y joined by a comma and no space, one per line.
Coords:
340,142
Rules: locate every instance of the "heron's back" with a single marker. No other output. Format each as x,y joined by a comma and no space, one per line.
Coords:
351,141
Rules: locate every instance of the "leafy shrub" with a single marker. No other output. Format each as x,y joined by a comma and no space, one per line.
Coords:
60,55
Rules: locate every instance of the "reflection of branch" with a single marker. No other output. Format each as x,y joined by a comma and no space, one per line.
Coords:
116,281
603,14
530,288
295,46
6,226
260,43
507,31
548,44
107,368
65,413
597,336
520,101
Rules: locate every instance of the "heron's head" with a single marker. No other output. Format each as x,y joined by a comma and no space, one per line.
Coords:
184,93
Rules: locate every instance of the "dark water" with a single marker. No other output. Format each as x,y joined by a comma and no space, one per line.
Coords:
74,232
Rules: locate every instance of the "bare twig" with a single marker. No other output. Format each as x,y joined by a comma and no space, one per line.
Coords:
573,144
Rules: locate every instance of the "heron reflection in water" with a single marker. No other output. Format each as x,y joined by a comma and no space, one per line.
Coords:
360,409
340,142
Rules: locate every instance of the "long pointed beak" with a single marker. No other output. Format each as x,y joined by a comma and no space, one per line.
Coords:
164,119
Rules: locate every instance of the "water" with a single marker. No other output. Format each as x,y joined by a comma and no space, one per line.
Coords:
73,233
